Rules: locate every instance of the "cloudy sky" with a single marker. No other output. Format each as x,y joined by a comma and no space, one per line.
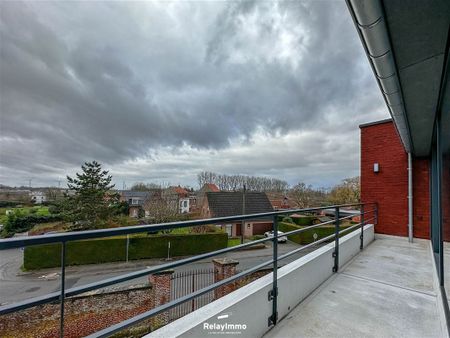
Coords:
158,91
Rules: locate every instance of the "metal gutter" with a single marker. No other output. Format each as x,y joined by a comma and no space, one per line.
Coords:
374,123
368,16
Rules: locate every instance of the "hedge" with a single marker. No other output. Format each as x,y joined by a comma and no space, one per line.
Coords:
304,220
306,237
113,249
7,204
21,223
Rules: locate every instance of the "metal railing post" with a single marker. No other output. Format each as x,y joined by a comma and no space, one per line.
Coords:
63,287
273,294
128,247
361,246
63,239
336,240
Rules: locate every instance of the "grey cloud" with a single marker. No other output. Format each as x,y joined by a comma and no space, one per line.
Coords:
118,81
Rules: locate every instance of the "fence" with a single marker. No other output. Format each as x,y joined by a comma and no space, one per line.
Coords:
185,282
60,295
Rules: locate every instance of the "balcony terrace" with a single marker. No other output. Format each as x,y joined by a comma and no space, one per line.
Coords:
274,295
389,289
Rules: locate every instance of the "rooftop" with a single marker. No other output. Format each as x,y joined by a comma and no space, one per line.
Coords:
224,204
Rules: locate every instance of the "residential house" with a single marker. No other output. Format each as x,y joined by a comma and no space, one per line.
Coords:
135,200
391,283
180,198
17,195
222,204
279,201
38,197
201,194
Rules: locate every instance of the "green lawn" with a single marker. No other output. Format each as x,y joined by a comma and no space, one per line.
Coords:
233,242
40,210
181,231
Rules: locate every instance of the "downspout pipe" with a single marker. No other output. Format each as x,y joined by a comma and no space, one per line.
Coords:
410,198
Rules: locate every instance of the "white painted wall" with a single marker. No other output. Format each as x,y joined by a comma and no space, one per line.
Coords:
184,205
249,305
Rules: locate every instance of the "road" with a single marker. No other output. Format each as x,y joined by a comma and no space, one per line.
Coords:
16,285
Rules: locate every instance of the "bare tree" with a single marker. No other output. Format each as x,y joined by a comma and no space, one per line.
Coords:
237,182
347,192
161,208
141,186
305,196
301,194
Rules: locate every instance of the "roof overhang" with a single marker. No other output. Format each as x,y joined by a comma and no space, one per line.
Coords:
407,46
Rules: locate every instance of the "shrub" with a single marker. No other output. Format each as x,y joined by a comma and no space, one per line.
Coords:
307,237
18,221
304,220
8,204
180,245
54,209
287,219
113,249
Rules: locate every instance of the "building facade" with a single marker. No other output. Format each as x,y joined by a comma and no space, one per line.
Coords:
384,179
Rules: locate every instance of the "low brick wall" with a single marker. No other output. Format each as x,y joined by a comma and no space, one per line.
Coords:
253,276
91,312
84,314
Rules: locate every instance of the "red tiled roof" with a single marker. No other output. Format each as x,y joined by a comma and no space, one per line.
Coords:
181,191
213,187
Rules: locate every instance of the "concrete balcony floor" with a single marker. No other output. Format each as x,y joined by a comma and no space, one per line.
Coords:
388,290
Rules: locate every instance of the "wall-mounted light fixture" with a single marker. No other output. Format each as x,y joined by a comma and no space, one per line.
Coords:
376,168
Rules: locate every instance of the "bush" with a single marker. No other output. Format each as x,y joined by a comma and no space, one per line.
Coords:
113,249
307,237
21,222
180,245
78,252
8,204
54,209
304,220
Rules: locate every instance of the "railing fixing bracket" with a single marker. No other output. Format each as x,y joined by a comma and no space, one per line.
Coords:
270,295
272,320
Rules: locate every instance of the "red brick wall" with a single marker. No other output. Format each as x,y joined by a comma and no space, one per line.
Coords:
381,144
84,315
421,197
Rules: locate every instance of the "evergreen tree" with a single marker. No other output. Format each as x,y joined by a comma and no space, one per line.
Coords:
92,203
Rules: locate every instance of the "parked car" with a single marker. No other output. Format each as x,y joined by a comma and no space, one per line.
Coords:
281,238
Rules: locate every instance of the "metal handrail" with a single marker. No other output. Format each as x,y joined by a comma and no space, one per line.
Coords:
90,234
101,233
